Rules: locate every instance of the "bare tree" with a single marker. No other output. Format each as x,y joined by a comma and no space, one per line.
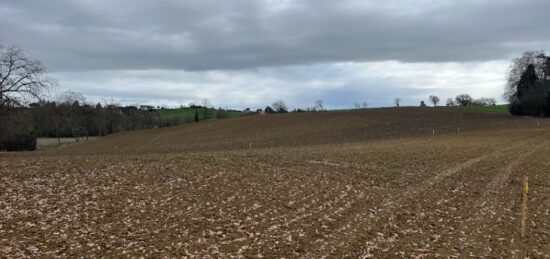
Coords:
434,99
21,78
319,105
70,109
463,99
99,119
397,101
70,96
222,114
365,105
450,102
205,105
357,106
280,106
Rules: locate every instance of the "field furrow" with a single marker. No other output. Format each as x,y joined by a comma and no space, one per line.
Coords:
448,195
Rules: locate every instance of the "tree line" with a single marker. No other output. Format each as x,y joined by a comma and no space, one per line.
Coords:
77,119
459,100
23,80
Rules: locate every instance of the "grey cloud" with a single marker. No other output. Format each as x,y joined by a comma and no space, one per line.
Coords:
340,85
209,35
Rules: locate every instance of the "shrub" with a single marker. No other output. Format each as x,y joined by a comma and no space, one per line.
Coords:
268,109
189,118
516,108
222,114
18,143
280,106
175,120
546,108
463,99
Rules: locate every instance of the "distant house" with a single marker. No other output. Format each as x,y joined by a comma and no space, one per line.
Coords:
146,107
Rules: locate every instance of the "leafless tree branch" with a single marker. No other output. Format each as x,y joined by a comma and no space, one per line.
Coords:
21,78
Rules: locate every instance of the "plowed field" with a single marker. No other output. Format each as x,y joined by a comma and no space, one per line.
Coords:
337,184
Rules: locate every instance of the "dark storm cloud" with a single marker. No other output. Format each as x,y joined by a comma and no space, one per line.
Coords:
218,34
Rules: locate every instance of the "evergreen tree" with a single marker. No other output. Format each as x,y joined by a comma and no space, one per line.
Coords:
527,81
268,109
546,68
547,106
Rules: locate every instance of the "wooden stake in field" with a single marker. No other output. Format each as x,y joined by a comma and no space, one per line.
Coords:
433,132
458,130
524,205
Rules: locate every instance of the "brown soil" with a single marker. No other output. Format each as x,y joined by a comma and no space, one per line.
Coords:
303,129
345,191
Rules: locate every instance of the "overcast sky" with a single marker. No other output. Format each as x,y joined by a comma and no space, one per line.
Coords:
250,53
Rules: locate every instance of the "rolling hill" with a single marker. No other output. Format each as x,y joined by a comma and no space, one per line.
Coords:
344,184
301,129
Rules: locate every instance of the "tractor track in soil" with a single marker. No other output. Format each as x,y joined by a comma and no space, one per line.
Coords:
390,206
368,184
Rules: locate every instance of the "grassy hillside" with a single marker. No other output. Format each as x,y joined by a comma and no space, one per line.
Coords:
299,129
184,112
501,108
